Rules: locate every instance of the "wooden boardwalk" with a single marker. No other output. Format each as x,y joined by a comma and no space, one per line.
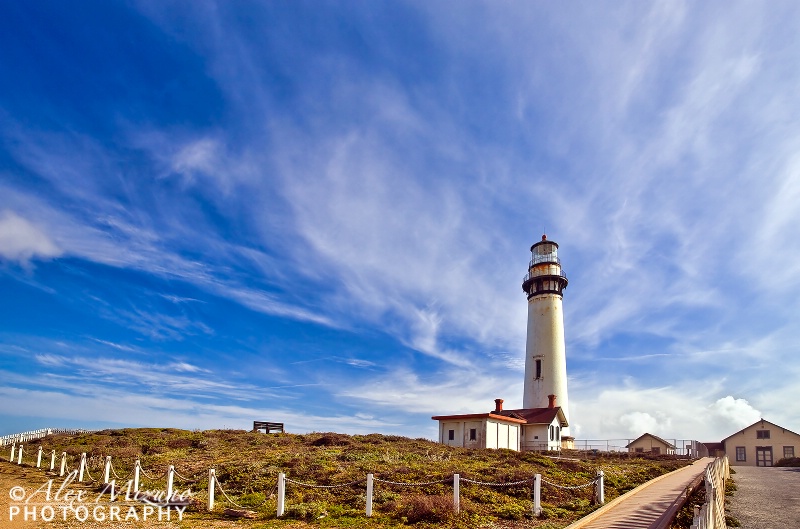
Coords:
649,506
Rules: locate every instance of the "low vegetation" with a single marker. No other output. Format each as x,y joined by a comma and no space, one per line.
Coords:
788,462
247,465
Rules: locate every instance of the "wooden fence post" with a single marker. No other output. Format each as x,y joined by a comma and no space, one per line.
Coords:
83,467
211,486
63,464
13,452
457,493
107,474
19,455
52,460
39,458
537,495
281,493
369,494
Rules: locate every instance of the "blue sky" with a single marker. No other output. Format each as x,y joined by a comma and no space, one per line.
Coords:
320,213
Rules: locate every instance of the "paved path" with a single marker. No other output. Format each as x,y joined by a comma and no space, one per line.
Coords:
649,506
766,497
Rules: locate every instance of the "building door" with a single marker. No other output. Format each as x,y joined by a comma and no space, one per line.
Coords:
763,456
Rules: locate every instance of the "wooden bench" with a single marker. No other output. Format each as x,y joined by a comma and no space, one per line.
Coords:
268,427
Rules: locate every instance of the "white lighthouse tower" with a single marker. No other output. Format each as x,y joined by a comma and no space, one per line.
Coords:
545,353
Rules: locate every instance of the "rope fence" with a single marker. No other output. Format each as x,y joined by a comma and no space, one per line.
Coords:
34,435
110,475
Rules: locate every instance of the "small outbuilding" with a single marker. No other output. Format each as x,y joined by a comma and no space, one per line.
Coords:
761,444
711,450
649,443
480,430
526,429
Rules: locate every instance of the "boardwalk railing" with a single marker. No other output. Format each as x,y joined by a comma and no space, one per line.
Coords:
80,472
712,514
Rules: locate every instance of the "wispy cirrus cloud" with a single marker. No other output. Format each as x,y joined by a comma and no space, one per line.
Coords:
328,200
21,241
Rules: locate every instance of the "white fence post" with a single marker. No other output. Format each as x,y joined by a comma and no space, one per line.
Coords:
83,467
457,493
39,458
170,481
136,471
52,460
369,495
107,474
281,493
696,518
63,463
211,486
600,493
13,451
537,495
19,455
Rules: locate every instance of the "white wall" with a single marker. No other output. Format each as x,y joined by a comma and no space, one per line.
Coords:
489,434
537,437
545,342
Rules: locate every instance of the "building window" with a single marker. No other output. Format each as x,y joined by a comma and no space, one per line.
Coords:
639,450
656,450
788,451
451,435
558,433
740,454
538,369
552,432
473,434
762,434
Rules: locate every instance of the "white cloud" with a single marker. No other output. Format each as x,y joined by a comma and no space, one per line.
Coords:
21,240
200,155
85,375
733,411
145,411
636,423
452,391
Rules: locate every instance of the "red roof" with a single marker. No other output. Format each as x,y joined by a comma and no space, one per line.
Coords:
491,415
537,415
521,416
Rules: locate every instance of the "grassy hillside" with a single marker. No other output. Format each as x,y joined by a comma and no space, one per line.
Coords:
247,465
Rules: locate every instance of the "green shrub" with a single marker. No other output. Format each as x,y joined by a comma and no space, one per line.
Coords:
306,511
730,487
253,500
788,462
512,511
731,521
415,508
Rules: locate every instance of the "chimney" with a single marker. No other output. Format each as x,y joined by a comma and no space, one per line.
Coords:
498,405
552,401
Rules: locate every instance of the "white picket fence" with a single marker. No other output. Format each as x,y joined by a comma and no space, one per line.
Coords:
34,435
172,496
712,514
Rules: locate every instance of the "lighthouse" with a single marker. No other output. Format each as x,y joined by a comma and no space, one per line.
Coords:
542,424
545,353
